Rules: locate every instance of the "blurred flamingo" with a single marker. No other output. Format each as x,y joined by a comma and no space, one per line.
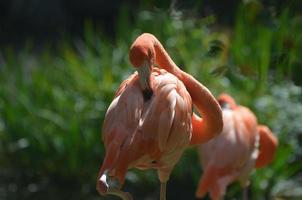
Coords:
149,122
234,153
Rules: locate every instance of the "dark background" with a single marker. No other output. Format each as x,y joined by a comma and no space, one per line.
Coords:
62,60
50,19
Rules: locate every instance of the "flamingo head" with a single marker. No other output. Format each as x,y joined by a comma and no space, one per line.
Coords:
226,101
142,51
142,57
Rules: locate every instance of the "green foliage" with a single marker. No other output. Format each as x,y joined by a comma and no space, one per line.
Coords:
53,100
263,44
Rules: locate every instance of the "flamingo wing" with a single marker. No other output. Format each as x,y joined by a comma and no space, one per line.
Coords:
120,122
124,84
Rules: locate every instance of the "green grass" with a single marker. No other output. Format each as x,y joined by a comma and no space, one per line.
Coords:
53,99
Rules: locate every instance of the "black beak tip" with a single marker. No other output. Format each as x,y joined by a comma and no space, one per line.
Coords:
147,94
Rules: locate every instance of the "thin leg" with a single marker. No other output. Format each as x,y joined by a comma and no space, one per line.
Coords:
245,193
163,191
104,189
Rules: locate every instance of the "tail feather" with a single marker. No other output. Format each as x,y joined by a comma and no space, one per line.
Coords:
268,146
111,157
123,162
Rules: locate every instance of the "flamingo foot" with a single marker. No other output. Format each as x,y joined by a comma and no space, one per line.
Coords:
104,189
163,187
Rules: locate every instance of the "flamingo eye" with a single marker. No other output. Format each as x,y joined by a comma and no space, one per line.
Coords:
224,105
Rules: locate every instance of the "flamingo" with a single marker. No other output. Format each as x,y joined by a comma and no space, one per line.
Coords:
233,154
149,122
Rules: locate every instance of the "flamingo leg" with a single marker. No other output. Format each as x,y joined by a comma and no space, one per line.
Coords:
245,193
163,187
105,189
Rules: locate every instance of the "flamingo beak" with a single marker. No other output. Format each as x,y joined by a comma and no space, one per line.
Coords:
144,73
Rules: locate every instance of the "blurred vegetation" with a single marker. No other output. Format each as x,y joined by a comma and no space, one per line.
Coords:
53,99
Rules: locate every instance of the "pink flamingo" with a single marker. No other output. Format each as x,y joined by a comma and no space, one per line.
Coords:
234,153
149,122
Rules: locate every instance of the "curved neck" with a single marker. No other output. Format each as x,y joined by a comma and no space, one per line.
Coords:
211,123
165,61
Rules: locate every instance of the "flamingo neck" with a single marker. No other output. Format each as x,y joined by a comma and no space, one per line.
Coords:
165,61
211,123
